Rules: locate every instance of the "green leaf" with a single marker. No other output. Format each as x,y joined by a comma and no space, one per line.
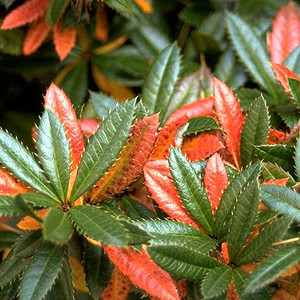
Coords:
22,164
97,269
7,3
293,61
103,148
54,153
190,189
265,216
272,267
160,83
7,238
182,261
277,154
75,83
273,172
216,282
38,200
256,61
136,210
281,199
243,217
102,104
42,272
246,97
201,124
289,113
57,227
297,158
255,131
295,90
8,206
25,208
230,197
263,242
55,10
10,291
11,41
168,233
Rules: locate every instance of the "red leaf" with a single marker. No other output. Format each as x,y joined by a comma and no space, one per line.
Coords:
167,138
285,35
64,40
143,272
225,253
159,183
230,116
26,13
215,180
89,126
118,288
35,36
276,137
282,74
200,108
131,160
201,146
57,101
9,184
281,182
101,30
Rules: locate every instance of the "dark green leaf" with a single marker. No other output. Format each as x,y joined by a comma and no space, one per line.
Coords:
295,90
262,243
277,154
103,148
246,97
7,3
9,291
230,197
293,61
7,238
55,10
25,208
160,83
57,226
201,124
255,131
272,267
42,272
11,41
8,206
182,261
22,164
289,114
297,158
54,153
216,282
265,216
191,190
38,200
136,210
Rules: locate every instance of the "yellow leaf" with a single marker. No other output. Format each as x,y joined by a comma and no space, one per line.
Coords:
112,45
78,275
29,223
145,6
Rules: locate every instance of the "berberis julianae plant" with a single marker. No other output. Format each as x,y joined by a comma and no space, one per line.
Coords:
190,191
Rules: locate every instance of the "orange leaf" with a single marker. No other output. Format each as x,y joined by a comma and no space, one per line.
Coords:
35,36
276,137
118,288
230,116
167,138
225,252
285,35
282,74
215,180
145,6
159,183
201,146
143,272
281,182
89,126
57,101
131,160
26,13
200,108
29,223
101,30
9,184
64,40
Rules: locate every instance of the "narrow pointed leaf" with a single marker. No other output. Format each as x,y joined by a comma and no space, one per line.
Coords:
285,34
231,196
55,10
262,243
200,124
136,210
7,238
272,267
294,85
57,227
10,291
255,131
292,61
230,117
160,83
190,189
8,206
103,148
162,189
297,158
182,261
143,272
42,272
215,180
26,209
21,163
40,201
54,153
216,282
